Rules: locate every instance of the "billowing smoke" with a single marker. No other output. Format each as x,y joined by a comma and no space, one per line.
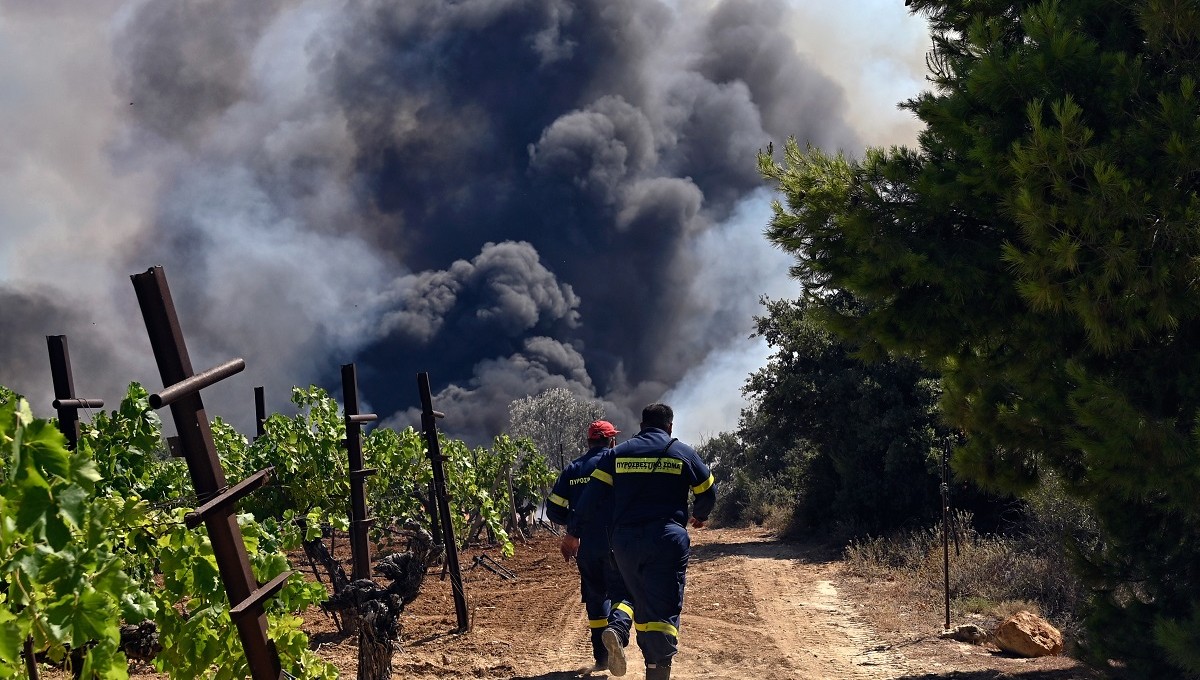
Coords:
511,195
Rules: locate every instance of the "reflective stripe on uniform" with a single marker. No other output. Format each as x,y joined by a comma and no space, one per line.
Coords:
597,623
658,627
624,607
703,486
670,466
602,476
558,500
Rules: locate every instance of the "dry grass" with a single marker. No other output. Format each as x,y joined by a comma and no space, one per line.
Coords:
992,576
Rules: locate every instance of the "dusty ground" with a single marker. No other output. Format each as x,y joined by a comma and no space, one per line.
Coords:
756,609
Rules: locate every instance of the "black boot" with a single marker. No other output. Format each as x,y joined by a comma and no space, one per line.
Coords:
599,653
660,671
616,652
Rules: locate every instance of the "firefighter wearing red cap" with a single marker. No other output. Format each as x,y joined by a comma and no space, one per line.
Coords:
604,595
646,481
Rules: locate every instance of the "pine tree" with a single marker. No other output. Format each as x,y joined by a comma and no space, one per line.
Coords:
1041,249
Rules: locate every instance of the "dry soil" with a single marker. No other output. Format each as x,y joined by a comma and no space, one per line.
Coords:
756,608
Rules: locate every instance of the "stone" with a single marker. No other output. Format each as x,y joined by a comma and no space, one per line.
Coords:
1029,635
968,632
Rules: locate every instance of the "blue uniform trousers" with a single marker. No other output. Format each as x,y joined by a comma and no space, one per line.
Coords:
653,559
604,594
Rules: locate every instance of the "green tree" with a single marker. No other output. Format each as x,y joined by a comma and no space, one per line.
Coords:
1040,249
725,454
851,441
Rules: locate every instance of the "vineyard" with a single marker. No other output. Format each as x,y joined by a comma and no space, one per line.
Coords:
128,553
110,554
97,537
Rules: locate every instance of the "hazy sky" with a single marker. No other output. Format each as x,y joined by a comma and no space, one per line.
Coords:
510,194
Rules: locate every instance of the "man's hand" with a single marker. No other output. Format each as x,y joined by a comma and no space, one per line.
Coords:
569,547
697,523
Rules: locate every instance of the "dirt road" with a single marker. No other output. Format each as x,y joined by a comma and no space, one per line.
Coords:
756,609
763,610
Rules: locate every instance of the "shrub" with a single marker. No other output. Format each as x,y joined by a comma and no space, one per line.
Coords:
747,500
990,574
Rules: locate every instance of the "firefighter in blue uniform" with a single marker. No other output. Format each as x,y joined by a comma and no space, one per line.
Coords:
604,595
649,477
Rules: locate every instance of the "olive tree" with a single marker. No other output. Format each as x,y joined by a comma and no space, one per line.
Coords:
556,421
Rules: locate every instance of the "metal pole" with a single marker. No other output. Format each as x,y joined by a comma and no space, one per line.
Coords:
68,424
360,549
208,478
946,527
260,411
435,523
195,383
429,425
64,388
67,405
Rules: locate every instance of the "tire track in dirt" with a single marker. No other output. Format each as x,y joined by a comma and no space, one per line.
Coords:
567,636
530,624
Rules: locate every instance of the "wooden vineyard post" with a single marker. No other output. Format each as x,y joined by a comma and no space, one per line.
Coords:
67,406
435,525
260,411
360,550
195,443
945,488
429,426
65,401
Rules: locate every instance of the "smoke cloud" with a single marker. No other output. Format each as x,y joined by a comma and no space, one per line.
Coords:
511,196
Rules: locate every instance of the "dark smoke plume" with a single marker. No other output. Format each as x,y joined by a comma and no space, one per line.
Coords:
512,195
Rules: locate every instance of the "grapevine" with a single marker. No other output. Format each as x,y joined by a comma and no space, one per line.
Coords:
64,578
95,537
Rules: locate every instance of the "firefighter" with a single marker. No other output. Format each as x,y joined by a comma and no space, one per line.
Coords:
649,477
604,594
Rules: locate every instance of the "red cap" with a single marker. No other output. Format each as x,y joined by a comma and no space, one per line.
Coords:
602,429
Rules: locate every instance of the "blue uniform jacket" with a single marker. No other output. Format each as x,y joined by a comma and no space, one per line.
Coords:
562,506
649,477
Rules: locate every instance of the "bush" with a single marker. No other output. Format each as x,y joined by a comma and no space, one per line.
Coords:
990,574
744,500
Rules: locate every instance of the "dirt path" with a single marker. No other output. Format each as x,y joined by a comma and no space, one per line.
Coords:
783,617
756,609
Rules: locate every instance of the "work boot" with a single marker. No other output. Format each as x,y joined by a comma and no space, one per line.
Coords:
660,671
599,653
616,652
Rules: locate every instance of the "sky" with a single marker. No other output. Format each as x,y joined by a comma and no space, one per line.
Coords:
512,195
